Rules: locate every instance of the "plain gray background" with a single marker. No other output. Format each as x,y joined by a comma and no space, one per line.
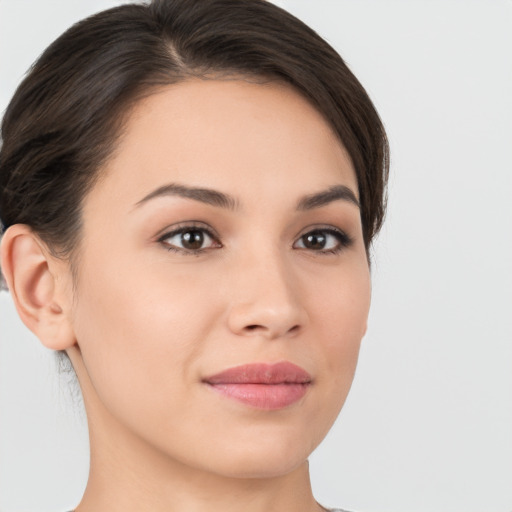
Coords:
428,424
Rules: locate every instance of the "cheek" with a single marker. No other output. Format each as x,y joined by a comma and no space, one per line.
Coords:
341,305
341,318
138,333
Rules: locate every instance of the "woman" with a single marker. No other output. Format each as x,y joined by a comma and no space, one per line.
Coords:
188,191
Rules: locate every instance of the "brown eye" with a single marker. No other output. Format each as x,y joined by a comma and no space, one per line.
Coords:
323,241
314,241
190,240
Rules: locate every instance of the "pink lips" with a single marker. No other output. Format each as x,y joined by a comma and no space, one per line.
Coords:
264,386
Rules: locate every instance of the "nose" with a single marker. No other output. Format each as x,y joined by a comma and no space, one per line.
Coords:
266,300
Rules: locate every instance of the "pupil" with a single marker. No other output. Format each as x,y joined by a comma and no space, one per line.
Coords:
192,239
314,241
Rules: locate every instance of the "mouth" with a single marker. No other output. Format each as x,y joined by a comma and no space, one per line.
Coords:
262,386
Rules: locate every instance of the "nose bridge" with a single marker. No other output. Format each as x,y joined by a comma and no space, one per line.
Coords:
266,299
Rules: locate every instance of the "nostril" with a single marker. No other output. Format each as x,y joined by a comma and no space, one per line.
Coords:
255,327
294,329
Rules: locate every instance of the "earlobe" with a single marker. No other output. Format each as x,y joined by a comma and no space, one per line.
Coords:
37,291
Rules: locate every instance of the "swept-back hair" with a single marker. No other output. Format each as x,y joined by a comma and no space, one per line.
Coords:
68,113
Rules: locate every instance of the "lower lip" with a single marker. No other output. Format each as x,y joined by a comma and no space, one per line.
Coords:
263,396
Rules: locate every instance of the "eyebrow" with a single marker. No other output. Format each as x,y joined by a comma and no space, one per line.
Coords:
204,195
335,193
222,200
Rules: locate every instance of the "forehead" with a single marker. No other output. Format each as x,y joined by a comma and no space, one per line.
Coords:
234,135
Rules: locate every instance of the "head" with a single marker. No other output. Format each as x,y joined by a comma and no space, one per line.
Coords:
186,187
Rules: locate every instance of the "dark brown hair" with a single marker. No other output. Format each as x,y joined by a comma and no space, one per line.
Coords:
66,115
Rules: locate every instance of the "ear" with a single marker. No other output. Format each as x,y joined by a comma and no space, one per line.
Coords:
37,282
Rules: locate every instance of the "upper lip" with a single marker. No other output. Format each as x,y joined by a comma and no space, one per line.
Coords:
262,373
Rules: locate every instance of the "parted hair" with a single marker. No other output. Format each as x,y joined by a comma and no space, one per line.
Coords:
66,116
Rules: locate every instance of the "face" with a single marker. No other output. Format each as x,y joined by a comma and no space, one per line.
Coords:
223,286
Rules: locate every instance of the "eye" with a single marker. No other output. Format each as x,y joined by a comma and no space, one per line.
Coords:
189,239
326,240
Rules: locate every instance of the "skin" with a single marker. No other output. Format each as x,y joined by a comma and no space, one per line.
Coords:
144,325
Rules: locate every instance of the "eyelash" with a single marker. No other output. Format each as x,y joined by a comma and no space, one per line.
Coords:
191,227
344,240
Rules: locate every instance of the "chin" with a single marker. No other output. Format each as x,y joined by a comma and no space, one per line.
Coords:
260,467
265,456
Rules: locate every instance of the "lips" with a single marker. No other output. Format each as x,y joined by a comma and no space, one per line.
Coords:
263,386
